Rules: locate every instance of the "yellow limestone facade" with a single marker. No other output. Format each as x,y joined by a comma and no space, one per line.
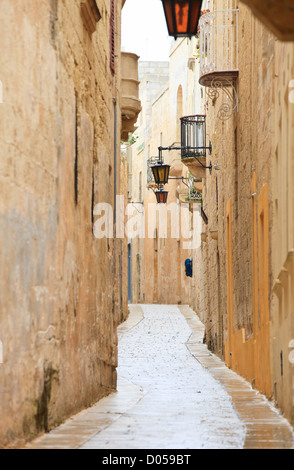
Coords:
242,285
249,268
60,131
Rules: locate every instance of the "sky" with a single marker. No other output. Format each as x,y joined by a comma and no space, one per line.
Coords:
144,30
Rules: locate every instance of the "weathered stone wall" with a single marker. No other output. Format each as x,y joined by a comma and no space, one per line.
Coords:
59,304
241,148
282,229
248,271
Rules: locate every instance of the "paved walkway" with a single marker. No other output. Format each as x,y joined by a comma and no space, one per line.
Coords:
172,394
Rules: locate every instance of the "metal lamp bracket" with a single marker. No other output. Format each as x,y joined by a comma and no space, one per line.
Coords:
209,148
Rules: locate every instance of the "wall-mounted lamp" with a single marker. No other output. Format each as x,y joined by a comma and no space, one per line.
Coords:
182,17
160,172
161,196
193,145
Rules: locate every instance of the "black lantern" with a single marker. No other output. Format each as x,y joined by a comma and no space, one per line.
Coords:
161,196
161,173
182,17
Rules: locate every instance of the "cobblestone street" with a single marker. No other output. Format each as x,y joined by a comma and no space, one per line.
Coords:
172,394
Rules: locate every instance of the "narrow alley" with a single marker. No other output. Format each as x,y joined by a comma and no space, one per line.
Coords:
172,394
146,225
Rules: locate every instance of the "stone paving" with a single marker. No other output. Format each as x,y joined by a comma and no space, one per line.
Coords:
172,394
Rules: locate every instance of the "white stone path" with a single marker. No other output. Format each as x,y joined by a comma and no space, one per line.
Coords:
172,394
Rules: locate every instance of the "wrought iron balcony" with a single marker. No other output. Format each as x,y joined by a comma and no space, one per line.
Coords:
218,47
193,148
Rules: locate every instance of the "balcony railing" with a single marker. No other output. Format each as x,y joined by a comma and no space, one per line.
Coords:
193,144
218,46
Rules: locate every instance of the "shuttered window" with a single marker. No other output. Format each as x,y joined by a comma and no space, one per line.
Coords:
112,37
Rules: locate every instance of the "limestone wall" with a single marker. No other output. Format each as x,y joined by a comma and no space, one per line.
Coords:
59,304
248,271
282,229
242,151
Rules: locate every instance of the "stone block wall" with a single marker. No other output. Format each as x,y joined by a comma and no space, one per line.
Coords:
248,271
59,304
242,149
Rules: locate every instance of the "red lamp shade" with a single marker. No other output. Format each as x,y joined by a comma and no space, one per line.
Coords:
161,196
182,17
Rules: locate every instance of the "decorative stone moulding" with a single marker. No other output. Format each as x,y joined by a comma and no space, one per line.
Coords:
278,288
130,103
195,168
286,272
90,14
198,185
180,193
203,236
176,169
214,234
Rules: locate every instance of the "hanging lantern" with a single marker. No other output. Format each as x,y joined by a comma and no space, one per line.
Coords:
161,196
161,173
182,17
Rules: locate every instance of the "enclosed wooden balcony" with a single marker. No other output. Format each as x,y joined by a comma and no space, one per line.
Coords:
218,47
130,103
